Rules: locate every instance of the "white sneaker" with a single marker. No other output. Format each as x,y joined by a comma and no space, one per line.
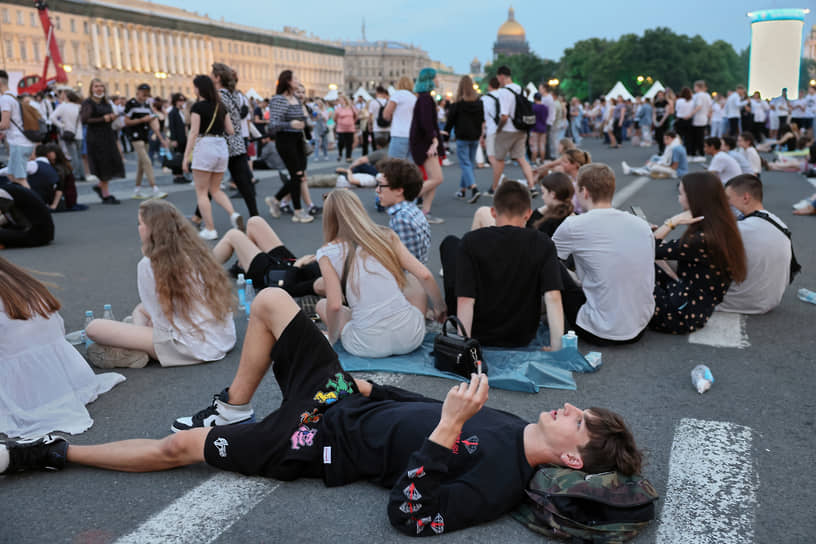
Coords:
157,193
138,194
801,205
446,162
220,412
208,234
302,217
274,206
237,221
626,168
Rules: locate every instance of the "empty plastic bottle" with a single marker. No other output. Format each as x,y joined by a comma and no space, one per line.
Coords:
249,296
702,378
108,313
240,284
806,295
88,318
569,340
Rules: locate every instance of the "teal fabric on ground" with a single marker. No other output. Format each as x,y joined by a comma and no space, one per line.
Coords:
516,369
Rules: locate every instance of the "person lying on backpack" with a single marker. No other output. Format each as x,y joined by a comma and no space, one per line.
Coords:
449,465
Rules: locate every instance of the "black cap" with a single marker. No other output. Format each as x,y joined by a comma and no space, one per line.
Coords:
143,87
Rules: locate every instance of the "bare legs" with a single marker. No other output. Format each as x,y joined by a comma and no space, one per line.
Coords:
259,238
210,182
482,218
137,336
434,173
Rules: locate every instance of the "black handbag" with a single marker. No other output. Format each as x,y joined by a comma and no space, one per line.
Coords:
455,353
281,277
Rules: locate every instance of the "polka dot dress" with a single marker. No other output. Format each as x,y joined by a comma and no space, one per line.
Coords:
685,305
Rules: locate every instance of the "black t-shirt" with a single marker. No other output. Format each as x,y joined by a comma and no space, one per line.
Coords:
45,181
660,109
205,109
548,226
383,439
506,269
29,213
138,110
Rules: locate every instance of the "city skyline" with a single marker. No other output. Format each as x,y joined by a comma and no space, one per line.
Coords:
457,45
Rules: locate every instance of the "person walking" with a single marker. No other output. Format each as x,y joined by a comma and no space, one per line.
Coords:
345,116
287,121
140,119
425,139
466,117
400,111
104,159
208,150
66,118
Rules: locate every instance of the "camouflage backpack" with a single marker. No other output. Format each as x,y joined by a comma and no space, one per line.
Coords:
605,508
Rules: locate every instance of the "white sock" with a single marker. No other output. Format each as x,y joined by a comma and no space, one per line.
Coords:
4,458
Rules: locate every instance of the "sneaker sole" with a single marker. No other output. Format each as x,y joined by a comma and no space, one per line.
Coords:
175,429
102,356
475,198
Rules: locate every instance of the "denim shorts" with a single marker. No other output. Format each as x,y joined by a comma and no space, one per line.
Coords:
399,148
18,157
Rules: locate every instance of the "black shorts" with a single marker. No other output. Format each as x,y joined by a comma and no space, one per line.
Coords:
284,445
263,262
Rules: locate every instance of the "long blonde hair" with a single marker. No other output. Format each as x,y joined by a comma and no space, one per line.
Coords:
345,220
185,270
405,84
465,91
24,296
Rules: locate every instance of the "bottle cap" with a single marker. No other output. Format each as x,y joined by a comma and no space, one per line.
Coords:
240,276
249,281
107,306
88,313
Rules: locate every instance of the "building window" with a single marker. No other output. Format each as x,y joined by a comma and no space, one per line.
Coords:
6,19
31,19
59,26
23,50
9,51
19,17
75,47
73,25
85,27
36,47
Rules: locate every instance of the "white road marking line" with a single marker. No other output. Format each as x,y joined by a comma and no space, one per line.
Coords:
627,192
723,330
711,492
382,378
812,181
203,513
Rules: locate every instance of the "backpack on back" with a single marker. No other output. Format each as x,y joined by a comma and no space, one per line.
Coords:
381,121
34,127
523,117
605,508
498,108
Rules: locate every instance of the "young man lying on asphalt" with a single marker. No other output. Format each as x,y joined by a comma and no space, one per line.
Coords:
449,465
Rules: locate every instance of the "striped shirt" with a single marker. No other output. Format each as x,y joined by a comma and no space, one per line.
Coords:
282,113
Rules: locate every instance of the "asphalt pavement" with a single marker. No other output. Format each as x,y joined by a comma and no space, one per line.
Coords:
731,465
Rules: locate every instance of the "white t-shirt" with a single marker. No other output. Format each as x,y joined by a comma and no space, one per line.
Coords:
768,253
700,118
66,117
376,297
374,109
753,159
614,255
725,166
507,105
733,105
490,103
14,136
403,114
716,113
547,100
759,108
683,107
214,341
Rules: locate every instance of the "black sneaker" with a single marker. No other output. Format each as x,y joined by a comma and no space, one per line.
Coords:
474,195
490,192
286,208
45,453
110,199
220,412
533,193
315,210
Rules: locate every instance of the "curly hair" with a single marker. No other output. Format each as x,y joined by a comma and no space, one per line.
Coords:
186,272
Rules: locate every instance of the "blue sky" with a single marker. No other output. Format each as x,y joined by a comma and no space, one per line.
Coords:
454,31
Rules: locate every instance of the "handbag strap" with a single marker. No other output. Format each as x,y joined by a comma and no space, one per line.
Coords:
460,328
215,112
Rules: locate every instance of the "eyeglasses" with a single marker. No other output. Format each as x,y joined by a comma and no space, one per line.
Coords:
382,186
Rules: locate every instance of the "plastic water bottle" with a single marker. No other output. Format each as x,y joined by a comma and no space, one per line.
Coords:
249,296
240,283
806,295
88,318
108,313
702,378
569,340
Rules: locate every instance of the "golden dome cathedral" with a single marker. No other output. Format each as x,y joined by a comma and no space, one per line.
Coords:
511,39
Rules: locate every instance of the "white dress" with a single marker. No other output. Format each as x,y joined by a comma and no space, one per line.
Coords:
44,382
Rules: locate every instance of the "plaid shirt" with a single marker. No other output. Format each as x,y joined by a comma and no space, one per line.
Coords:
413,230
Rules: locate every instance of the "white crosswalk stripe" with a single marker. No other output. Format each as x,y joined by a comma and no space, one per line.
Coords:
711,492
723,330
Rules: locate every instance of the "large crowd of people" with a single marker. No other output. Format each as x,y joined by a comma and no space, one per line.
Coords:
573,262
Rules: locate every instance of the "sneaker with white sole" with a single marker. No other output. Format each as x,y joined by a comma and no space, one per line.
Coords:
102,356
434,220
626,168
46,453
157,194
302,217
220,412
138,194
237,221
274,206
802,205
208,234
474,195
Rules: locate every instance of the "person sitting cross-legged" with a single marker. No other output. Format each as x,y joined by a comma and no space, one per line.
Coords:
495,276
673,163
332,426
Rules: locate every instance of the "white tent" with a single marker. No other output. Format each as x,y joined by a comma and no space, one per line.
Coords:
252,93
657,87
331,95
619,90
362,92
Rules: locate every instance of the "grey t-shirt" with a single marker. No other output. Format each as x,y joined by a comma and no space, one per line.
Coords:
768,253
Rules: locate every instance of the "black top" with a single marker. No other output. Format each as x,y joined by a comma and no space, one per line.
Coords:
45,181
178,132
206,110
29,214
466,118
548,226
138,110
383,439
506,269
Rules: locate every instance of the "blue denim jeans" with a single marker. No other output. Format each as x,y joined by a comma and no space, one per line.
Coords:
466,153
399,148
575,127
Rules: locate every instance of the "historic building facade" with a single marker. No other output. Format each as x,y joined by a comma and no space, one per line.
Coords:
128,42
511,39
368,64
